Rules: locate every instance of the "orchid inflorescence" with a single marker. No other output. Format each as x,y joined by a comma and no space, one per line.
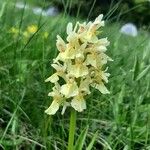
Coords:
79,66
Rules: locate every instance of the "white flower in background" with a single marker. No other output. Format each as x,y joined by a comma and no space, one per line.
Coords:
79,66
37,10
129,29
21,5
51,11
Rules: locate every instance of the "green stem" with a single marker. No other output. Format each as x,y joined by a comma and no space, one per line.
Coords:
72,129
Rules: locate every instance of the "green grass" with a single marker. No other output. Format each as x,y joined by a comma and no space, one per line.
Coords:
121,118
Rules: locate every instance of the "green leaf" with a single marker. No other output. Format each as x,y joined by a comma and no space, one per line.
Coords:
90,146
121,94
81,139
143,73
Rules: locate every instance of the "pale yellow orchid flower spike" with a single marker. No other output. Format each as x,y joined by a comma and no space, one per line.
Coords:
79,66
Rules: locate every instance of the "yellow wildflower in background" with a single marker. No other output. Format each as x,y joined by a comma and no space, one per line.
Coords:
25,34
45,35
14,30
32,29
79,66
28,32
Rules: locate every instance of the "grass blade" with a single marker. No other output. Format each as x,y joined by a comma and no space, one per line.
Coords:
11,119
90,146
81,139
135,68
2,9
143,73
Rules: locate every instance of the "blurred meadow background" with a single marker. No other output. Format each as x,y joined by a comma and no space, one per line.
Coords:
117,121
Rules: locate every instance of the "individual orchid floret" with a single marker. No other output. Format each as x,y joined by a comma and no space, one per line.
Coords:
69,89
57,100
79,66
78,102
79,69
